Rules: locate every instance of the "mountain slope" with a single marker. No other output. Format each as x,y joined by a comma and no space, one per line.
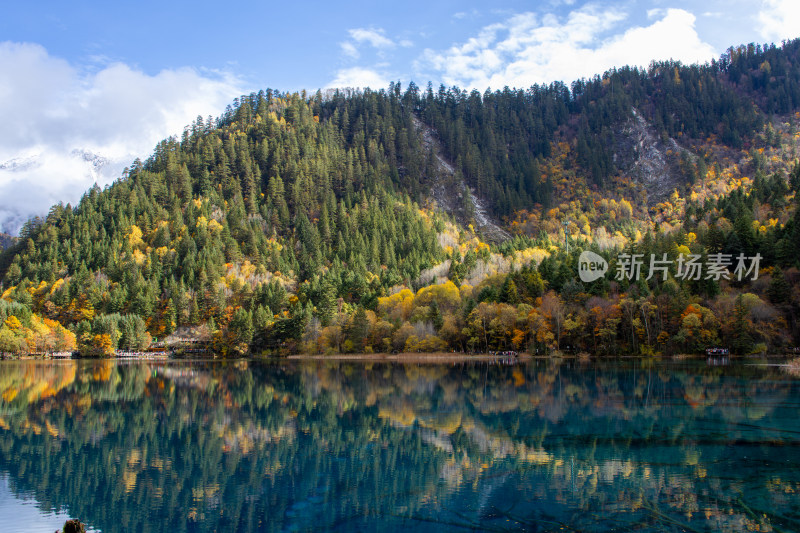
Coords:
299,222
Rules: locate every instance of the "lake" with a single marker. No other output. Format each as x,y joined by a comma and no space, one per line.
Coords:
615,445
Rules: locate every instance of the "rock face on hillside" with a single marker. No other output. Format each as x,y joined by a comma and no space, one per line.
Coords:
453,195
646,157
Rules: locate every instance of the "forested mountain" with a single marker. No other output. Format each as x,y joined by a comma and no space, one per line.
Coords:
352,221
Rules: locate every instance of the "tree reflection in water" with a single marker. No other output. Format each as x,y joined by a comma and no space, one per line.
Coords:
259,446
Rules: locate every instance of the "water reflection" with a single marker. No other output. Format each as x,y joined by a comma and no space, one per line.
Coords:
22,513
252,446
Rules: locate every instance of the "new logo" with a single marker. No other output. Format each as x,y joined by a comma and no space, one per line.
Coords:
591,266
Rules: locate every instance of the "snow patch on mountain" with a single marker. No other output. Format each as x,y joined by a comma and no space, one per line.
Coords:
31,183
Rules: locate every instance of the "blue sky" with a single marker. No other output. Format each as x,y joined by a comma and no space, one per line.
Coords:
297,45
89,86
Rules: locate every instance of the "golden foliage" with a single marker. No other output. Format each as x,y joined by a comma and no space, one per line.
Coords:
134,236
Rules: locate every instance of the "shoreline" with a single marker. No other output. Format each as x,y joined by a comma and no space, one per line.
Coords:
433,357
436,357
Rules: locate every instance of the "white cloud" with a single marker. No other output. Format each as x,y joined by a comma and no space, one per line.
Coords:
526,49
474,13
362,76
359,77
349,49
53,112
374,37
779,19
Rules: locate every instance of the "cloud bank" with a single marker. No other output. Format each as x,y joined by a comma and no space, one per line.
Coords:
66,127
527,49
779,19
359,77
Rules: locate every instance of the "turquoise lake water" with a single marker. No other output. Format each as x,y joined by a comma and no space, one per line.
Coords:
622,445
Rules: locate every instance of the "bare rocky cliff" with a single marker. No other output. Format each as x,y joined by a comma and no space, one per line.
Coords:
452,194
643,155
